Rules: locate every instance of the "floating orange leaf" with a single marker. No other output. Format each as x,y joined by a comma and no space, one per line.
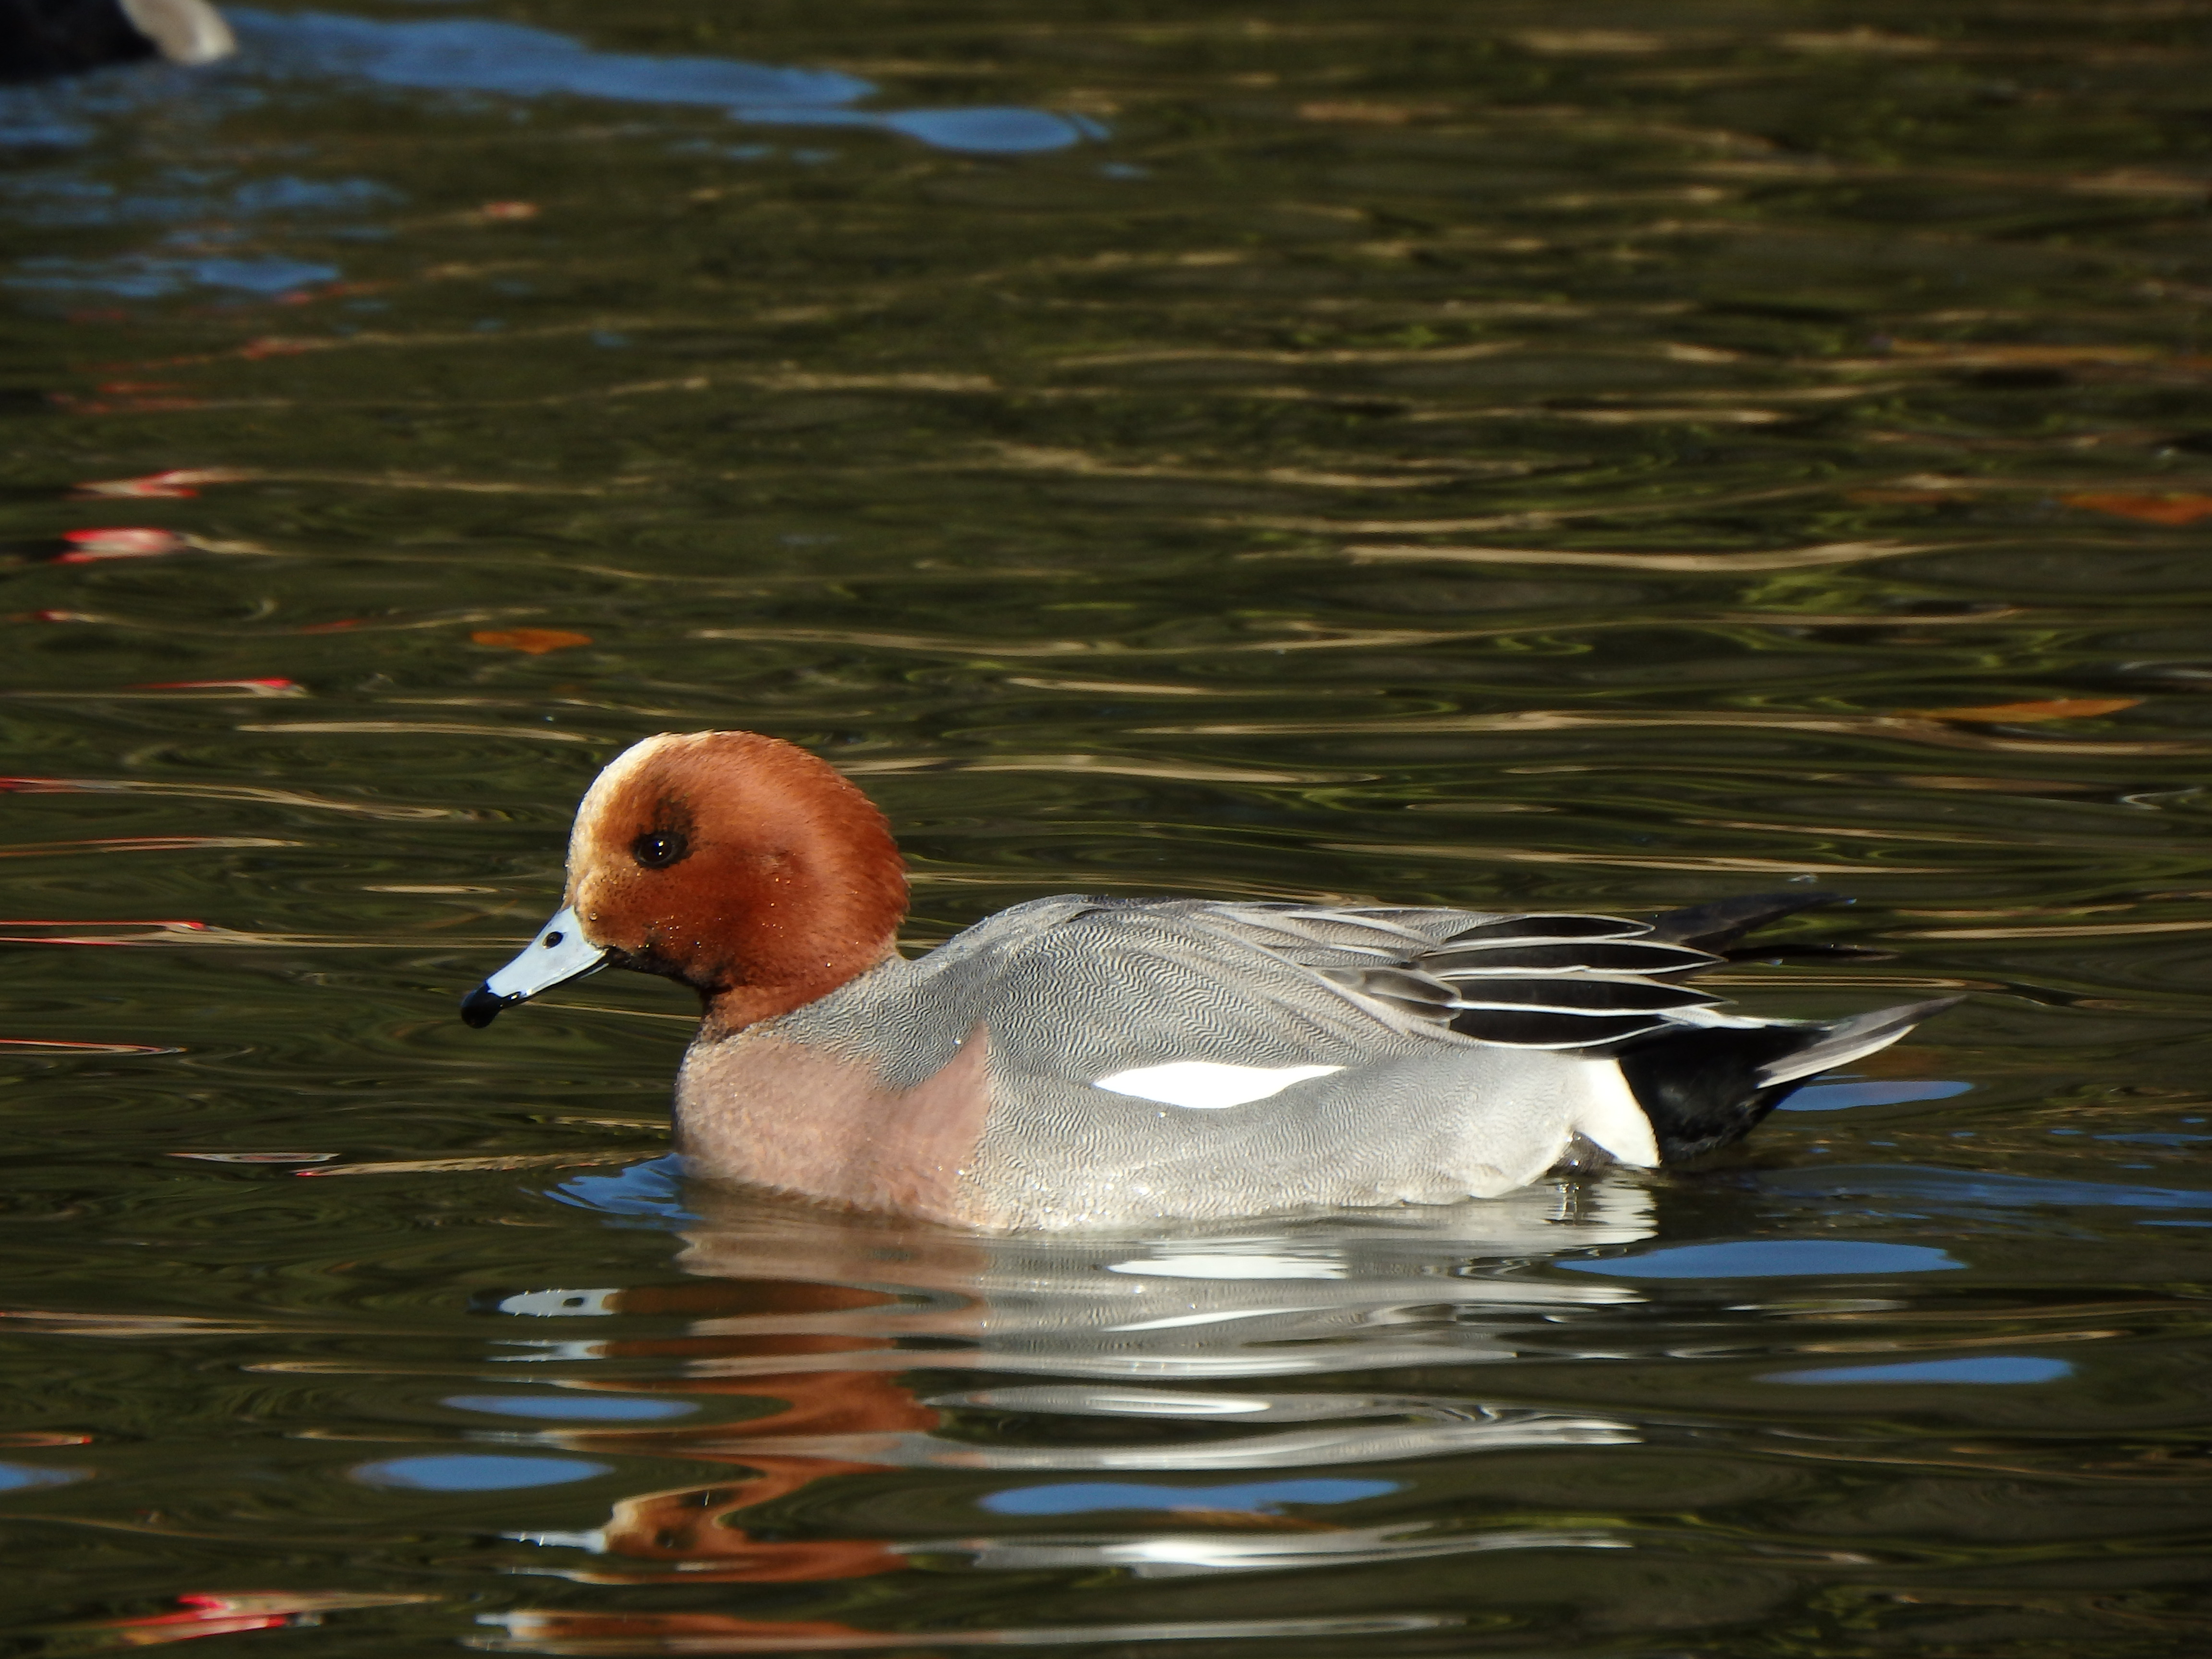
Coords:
507,211
2176,510
536,641
2018,714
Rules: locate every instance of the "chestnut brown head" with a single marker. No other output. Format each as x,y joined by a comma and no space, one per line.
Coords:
742,865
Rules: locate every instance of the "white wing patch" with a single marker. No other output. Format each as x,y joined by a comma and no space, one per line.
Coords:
1208,1084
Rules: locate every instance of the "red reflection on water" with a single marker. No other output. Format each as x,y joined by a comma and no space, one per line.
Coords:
160,930
204,1613
266,688
120,541
87,1048
176,482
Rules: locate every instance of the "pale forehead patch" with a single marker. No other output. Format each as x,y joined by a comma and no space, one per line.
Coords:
1208,1084
617,773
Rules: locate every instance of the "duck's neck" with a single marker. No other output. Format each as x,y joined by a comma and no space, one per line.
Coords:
734,1007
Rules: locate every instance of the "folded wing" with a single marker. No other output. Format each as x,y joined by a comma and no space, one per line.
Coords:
1560,980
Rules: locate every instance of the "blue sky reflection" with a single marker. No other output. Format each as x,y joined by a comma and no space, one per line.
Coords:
1836,1096
477,55
1981,1368
475,1471
574,1407
1249,1497
1773,1258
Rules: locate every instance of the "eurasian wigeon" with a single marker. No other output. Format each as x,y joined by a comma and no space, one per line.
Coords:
1076,1062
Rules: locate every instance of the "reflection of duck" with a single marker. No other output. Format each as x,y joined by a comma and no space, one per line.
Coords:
41,39
1214,1397
697,1530
1086,1062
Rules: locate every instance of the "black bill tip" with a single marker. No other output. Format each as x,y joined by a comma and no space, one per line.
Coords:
481,1005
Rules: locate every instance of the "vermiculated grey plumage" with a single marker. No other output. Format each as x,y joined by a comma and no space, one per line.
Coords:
1470,1050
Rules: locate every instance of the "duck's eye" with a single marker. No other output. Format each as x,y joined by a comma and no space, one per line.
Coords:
656,849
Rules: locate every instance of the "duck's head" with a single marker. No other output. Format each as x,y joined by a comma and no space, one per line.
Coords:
745,868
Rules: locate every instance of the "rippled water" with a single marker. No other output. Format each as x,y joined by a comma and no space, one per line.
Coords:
1583,454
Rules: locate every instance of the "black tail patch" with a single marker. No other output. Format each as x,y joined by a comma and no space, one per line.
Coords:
1701,1089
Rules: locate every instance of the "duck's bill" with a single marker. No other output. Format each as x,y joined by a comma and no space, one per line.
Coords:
558,954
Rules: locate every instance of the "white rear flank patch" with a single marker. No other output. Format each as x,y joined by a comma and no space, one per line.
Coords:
1610,1116
1207,1086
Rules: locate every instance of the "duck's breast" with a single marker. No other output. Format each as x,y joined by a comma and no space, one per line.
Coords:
762,1107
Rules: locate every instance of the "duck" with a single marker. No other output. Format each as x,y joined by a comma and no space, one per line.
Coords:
40,39
1076,1062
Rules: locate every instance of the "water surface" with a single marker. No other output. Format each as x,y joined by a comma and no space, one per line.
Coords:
1590,455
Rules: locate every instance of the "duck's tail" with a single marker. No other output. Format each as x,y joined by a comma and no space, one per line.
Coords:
1706,1087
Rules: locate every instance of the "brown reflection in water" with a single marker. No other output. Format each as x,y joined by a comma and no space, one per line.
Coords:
698,1528
533,1630
563,1632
